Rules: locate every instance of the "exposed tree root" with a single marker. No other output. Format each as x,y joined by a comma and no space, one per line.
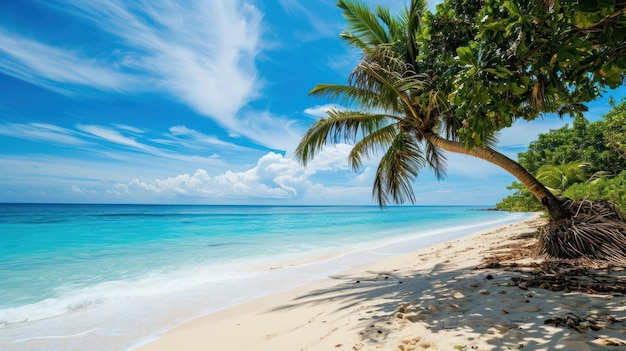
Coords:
596,231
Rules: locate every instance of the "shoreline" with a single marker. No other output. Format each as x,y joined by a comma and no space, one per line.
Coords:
316,271
433,298
94,322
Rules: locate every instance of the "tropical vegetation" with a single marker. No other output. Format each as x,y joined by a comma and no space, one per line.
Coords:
447,82
577,162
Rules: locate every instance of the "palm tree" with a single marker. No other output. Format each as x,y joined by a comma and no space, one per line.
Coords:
398,105
398,110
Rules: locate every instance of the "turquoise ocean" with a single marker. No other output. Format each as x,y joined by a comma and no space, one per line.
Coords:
112,277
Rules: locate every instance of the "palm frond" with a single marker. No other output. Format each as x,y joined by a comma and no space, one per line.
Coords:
491,141
339,126
398,167
362,24
437,160
395,28
370,144
352,96
413,24
392,84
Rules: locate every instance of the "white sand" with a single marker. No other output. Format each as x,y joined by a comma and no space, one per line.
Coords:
432,299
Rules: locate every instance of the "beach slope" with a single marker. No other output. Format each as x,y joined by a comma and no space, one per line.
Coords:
432,299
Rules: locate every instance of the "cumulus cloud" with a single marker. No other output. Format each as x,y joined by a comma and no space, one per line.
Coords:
274,176
332,158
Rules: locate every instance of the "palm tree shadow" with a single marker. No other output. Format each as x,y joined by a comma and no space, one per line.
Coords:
475,308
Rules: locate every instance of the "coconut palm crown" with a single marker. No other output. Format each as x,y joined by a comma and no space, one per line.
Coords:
391,109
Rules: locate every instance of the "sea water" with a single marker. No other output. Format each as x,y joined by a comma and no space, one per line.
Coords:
111,277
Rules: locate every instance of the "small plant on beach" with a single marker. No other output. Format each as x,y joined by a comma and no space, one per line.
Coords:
447,82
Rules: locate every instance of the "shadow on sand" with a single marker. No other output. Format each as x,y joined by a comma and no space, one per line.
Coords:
452,306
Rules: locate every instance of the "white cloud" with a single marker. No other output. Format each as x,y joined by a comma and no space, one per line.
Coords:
320,111
114,136
55,68
201,52
194,139
41,132
95,141
131,129
331,158
274,176
272,131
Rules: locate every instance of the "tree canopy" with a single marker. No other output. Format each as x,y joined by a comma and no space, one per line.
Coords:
519,59
447,82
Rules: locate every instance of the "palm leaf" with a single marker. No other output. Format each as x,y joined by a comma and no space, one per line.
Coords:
370,144
362,24
340,125
437,160
413,24
398,167
392,87
351,96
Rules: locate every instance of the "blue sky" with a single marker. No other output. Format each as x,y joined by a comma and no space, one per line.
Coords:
191,101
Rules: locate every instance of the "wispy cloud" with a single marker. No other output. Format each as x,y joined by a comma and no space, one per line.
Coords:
42,132
133,140
57,69
115,137
277,132
131,129
109,135
321,110
321,27
201,52
189,138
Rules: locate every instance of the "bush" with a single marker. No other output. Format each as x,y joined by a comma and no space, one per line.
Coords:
612,189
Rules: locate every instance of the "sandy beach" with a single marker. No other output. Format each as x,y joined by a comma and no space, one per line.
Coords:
475,293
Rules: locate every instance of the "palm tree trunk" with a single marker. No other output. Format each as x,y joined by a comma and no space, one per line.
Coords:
552,204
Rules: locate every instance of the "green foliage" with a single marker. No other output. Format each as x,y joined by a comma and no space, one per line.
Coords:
519,59
450,80
583,142
522,200
578,162
612,189
560,177
615,129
